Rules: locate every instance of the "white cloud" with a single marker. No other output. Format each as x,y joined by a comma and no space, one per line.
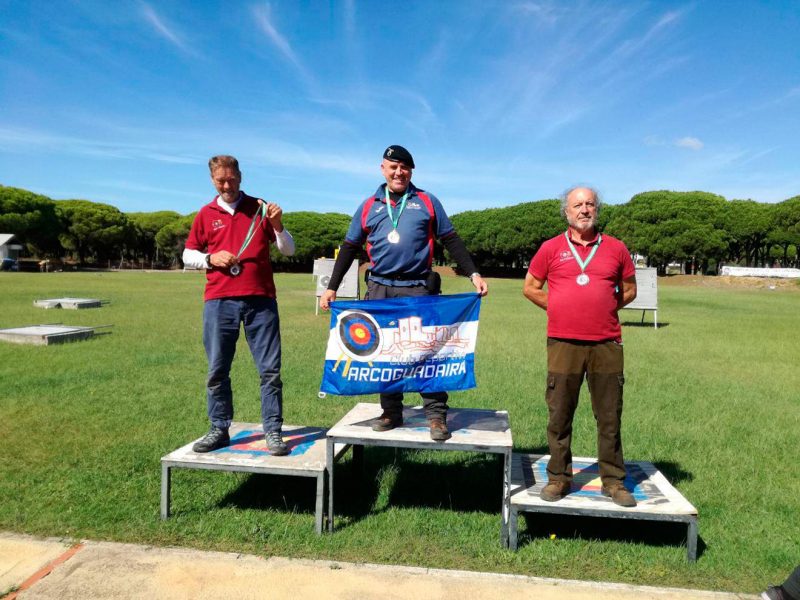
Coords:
162,29
544,12
263,15
689,142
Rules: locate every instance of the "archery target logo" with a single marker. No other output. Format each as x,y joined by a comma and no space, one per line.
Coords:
359,335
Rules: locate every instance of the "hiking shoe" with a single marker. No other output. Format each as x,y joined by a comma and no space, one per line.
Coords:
555,490
775,592
386,422
439,431
215,438
619,494
275,444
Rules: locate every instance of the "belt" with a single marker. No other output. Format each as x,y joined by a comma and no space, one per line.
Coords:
401,276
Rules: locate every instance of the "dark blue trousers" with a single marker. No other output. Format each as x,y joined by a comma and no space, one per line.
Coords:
221,322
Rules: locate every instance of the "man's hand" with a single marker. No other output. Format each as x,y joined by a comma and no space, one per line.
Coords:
223,259
274,215
325,300
480,285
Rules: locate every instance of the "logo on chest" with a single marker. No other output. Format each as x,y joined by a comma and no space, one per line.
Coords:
217,224
565,256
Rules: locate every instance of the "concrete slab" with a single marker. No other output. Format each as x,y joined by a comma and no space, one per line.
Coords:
69,303
22,556
45,335
126,571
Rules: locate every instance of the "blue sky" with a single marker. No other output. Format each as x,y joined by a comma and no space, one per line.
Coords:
499,102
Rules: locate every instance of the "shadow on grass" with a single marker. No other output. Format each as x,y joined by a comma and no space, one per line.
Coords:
673,472
531,450
354,494
402,478
473,484
279,492
605,529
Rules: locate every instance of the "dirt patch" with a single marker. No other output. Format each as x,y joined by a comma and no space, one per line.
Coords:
728,282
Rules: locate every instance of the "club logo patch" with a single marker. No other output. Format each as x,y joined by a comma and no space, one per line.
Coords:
217,224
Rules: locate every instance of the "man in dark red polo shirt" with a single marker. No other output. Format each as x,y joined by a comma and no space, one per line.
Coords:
589,277
230,238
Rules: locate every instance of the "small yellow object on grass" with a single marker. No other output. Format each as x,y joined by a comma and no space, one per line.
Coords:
552,536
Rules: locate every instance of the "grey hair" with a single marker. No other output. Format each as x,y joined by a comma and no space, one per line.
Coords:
565,195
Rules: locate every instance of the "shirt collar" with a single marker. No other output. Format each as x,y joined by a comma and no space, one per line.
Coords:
229,208
592,241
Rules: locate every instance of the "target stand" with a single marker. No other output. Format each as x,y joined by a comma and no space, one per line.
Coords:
248,453
322,271
45,335
473,430
69,303
657,499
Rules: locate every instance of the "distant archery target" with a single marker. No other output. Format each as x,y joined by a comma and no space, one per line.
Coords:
359,335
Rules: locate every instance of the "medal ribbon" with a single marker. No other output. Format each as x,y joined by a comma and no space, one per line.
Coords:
261,211
395,221
583,264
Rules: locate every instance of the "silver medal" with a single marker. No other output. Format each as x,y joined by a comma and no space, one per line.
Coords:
582,279
235,270
393,236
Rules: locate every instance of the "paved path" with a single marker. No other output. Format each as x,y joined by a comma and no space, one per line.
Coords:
39,568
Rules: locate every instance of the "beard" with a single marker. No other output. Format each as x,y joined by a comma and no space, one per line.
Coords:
582,225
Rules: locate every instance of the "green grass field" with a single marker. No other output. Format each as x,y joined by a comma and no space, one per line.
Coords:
711,398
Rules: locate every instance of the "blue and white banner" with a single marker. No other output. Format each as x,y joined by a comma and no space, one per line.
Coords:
415,344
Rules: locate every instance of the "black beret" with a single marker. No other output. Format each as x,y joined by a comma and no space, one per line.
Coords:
399,154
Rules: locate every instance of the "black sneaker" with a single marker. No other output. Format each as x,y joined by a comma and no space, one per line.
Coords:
215,438
275,444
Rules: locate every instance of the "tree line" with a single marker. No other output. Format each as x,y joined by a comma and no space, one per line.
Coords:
698,229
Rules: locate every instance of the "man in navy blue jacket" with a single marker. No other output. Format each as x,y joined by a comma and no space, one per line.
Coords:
399,224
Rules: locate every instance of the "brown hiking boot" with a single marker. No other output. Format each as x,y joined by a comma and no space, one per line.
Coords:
619,494
555,490
387,422
439,431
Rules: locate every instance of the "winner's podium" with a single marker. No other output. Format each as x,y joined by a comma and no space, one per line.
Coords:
657,499
472,430
247,453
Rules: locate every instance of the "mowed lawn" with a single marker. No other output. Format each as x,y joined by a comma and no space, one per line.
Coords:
711,398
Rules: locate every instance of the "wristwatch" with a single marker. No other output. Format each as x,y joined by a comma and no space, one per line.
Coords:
208,260
476,274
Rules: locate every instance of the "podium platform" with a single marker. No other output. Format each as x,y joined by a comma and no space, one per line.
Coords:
472,430
247,453
657,499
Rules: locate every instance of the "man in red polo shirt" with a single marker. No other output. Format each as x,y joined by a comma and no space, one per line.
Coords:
589,277
230,238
